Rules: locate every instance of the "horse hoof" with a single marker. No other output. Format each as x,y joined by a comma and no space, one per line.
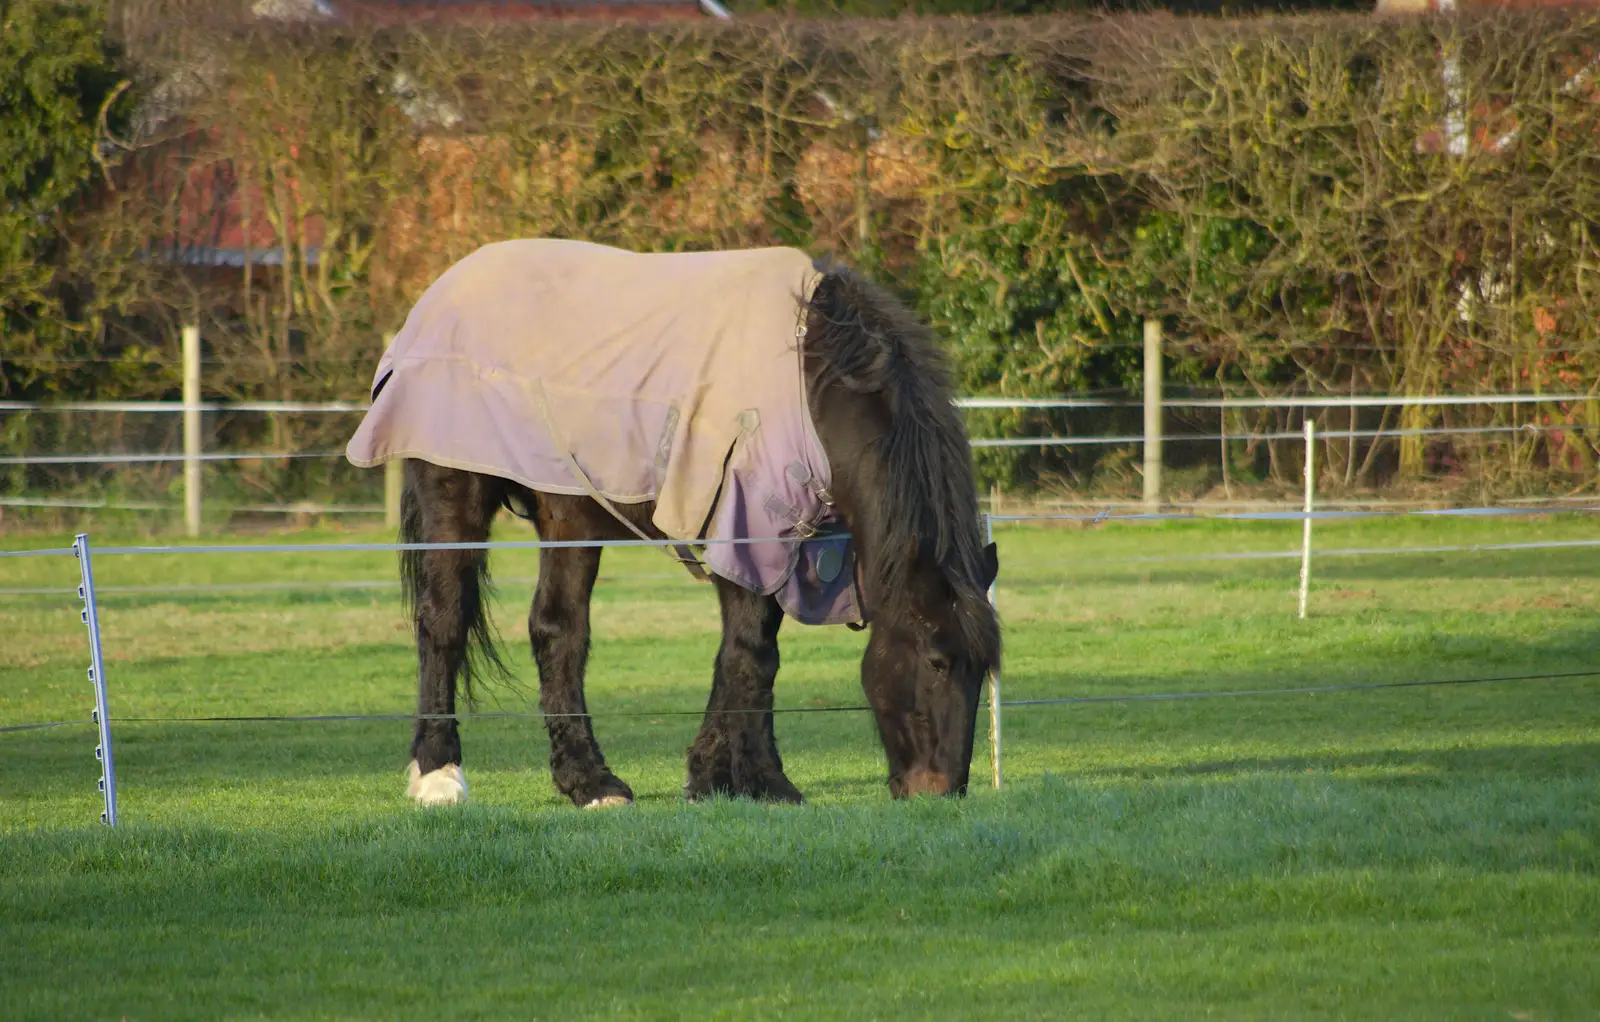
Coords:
783,795
608,801
773,789
446,786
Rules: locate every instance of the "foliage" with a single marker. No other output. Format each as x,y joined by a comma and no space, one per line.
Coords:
1279,191
61,90
1337,243
994,8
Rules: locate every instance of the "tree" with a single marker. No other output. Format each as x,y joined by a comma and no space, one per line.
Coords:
61,88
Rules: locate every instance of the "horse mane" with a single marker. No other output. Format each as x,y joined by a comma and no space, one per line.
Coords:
868,342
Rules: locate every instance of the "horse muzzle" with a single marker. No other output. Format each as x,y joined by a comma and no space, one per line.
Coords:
923,781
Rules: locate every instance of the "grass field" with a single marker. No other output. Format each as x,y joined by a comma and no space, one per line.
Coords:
1410,853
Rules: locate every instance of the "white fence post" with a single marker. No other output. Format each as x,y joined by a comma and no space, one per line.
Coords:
994,680
1305,535
191,429
1152,415
97,677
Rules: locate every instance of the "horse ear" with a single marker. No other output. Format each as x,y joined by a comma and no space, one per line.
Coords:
991,565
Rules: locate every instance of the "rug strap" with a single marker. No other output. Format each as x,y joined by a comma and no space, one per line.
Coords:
681,553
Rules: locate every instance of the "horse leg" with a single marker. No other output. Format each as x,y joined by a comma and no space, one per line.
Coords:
736,752
558,626
442,505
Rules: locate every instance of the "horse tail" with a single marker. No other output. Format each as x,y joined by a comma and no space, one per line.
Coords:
454,582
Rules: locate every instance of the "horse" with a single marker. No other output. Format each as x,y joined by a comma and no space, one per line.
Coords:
898,481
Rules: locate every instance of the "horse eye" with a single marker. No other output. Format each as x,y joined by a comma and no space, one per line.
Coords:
939,662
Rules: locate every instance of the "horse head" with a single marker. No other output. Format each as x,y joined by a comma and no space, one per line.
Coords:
901,464
923,673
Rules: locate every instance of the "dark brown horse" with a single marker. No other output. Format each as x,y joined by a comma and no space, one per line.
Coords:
902,484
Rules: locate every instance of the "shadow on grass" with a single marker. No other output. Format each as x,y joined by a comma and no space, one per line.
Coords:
1386,567
830,759
831,756
1285,653
372,591
1394,767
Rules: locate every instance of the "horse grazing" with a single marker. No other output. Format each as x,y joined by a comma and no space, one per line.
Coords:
791,421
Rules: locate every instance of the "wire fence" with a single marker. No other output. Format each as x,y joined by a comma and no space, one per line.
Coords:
1250,555
151,459
235,458
295,508
1107,515
104,721
1528,428
1278,401
1125,697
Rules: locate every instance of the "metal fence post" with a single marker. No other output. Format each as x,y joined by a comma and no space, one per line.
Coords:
1305,535
1152,415
191,429
994,679
97,677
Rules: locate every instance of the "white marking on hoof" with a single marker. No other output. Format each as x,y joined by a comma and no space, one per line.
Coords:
608,801
445,786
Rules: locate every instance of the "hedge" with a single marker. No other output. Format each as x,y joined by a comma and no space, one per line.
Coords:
1282,191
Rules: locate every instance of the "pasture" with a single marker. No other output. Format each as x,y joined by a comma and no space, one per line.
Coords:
1423,852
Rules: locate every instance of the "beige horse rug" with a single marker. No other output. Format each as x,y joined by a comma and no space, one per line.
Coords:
676,378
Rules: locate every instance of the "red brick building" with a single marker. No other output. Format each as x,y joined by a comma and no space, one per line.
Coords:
219,222
395,11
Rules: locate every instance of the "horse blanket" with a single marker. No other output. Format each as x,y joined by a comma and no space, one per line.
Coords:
676,378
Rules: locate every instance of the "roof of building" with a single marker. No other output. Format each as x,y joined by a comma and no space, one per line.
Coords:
390,11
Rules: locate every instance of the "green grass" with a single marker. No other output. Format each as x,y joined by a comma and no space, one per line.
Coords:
1410,853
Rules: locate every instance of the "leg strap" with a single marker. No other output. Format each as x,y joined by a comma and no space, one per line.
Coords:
682,553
